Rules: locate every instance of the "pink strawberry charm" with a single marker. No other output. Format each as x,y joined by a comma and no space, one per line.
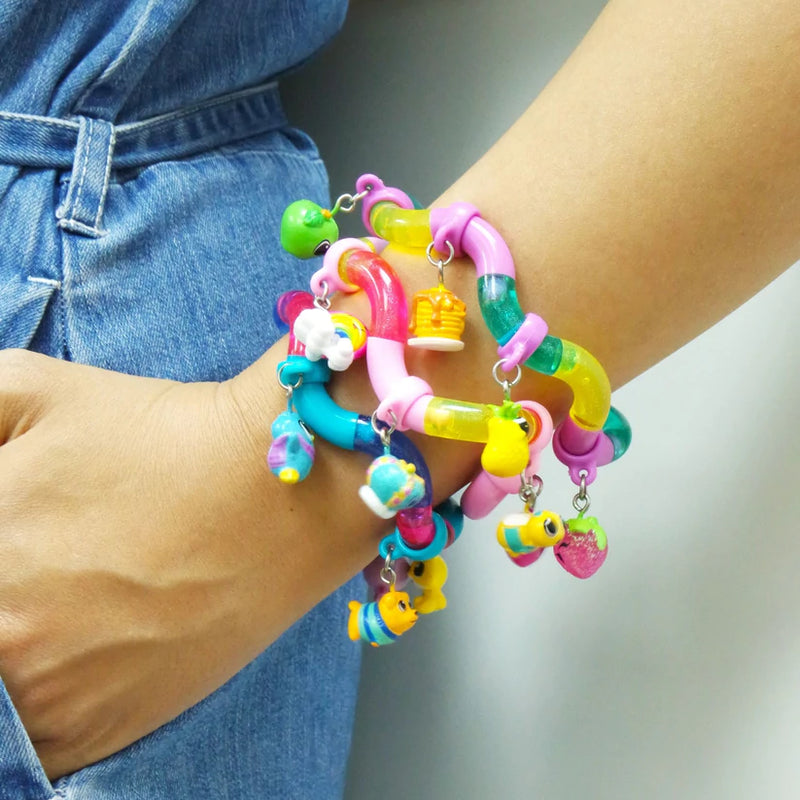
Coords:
584,547
526,559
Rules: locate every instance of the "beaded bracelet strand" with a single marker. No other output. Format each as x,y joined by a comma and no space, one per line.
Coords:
514,431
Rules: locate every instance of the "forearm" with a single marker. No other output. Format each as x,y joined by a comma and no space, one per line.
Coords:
649,190
655,184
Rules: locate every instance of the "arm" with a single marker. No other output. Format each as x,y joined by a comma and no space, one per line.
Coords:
648,191
653,186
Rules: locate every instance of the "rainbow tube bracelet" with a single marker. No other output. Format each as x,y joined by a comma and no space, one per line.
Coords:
514,432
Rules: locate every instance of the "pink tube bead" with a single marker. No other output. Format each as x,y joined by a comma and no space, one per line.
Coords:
387,300
524,342
330,273
416,526
448,225
574,439
378,245
290,304
402,395
407,396
379,192
484,493
484,245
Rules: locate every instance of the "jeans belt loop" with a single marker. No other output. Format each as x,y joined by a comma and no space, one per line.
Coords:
82,209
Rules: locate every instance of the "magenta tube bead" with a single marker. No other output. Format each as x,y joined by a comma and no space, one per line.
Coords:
581,450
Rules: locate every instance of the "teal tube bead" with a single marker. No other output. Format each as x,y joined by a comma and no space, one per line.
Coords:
497,295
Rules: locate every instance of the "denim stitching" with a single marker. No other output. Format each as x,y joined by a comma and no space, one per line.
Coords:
76,226
258,106
65,259
76,204
33,119
152,123
213,155
46,281
109,155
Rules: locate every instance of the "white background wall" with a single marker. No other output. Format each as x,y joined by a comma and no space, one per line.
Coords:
675,671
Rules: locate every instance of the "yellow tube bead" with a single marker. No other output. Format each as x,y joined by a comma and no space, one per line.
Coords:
455,419
409,227
467,422
591,390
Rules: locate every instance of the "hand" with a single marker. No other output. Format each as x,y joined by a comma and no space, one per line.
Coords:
132,545
147,553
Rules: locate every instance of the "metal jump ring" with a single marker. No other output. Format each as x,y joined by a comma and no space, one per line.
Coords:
347,202
385,432
581,502
388,574
506,384
289,387
323,301
438,263
530,489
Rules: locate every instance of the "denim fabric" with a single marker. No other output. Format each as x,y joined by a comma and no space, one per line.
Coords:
128,60
144,165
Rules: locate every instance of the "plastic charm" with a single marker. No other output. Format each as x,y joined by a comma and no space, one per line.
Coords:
291,454
430,576
392,484
382,621
437,315
525,532
317,330
506,452
437,320
584,548
307,229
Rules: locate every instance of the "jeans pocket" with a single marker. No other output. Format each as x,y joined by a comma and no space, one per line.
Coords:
21,772
22,306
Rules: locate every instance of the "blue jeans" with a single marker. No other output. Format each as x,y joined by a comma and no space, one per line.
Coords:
141,190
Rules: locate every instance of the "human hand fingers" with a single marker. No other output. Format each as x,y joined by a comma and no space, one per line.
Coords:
119,600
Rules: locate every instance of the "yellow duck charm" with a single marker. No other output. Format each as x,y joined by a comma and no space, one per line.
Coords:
430,576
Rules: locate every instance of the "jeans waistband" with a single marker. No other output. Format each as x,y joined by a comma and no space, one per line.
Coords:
27,140
91,147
